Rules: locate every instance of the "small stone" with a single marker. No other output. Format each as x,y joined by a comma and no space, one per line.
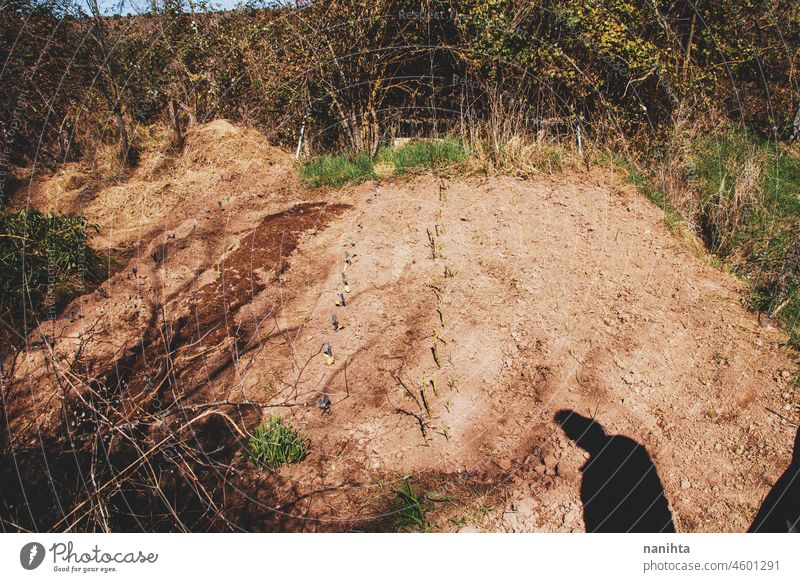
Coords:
505,464
550,461
685,484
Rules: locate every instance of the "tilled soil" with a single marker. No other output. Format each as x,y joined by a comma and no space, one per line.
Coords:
475,309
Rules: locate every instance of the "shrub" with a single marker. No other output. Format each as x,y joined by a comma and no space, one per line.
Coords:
277,443
44,261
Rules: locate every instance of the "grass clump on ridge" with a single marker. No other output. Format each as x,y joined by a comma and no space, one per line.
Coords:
340,169
424,154
337,170
276,443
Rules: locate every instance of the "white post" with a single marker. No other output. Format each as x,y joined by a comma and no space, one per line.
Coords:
300,140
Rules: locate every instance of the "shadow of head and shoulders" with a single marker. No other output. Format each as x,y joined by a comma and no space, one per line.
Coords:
780,510
620,487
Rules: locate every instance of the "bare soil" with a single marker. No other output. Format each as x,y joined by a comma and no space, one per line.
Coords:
477,308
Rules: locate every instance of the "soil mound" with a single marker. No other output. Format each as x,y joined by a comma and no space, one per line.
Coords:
474,310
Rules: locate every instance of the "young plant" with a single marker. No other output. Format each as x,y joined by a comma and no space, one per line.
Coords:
408,509
276,443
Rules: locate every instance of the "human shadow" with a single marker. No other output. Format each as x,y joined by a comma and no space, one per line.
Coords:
621,490
780,511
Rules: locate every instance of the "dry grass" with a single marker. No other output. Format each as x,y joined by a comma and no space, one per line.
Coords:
217,156
525,157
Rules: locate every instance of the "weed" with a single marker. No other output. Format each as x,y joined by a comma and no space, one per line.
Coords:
458,521
524,157
408,509
340,169
44,260
277,443
485,510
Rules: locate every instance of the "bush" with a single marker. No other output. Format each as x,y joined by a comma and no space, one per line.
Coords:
277,443
44,261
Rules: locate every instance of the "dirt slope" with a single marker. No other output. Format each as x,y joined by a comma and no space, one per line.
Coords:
477,308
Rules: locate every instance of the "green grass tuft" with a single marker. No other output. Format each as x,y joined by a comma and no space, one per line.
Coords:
277,443
337,170
408,509
424,154
45,260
